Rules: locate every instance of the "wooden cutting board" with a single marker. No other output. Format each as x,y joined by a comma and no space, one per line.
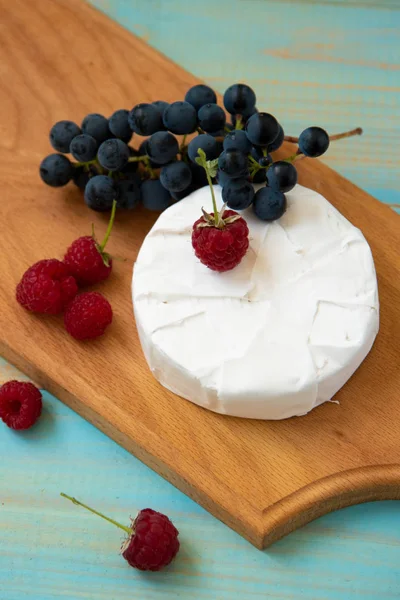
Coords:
62,59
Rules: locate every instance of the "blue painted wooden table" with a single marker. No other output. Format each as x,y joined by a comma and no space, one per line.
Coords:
329,62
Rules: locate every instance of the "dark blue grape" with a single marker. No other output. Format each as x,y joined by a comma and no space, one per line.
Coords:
145,119
238,194
264,161
119,125
176,176
154,195
143,150
97,126
161,105
81,175
189,190
162,147
313,141
262,129
206,142
278,141
180,118
62,134
128,193
256,152
199,177
222,178
269,204
113,154
211,118
56,170
219,133
83,147
100,192
199,95
237,140
282,176
233,163
239,98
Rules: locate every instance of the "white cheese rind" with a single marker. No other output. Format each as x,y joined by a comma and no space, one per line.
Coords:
276,336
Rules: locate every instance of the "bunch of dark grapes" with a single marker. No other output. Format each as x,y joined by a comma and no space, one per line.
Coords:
163,170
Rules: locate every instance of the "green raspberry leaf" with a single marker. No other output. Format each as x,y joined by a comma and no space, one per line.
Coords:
212,167
202,159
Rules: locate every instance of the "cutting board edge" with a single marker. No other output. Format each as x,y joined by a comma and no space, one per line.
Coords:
328,494
265,527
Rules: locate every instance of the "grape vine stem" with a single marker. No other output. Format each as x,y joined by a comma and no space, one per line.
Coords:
110,226
137,158
183,144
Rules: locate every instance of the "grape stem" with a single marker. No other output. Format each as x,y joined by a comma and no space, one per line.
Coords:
183,144
149,169
332,138
239,122
95,163
137,158
294,157
127,530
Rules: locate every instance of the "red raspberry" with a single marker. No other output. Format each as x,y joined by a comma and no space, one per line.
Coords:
86,258
154,541
46,287
86,262
88,316
221,249
20,404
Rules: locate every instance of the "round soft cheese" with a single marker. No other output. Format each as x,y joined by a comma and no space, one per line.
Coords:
274,337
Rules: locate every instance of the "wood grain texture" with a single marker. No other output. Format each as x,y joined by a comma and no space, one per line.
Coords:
290,467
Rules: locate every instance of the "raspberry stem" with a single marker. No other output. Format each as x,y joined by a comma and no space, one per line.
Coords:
215,209
109,228
332,138
128,530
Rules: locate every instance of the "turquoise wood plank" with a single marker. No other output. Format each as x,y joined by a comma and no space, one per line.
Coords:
332,63
52,549
328,62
